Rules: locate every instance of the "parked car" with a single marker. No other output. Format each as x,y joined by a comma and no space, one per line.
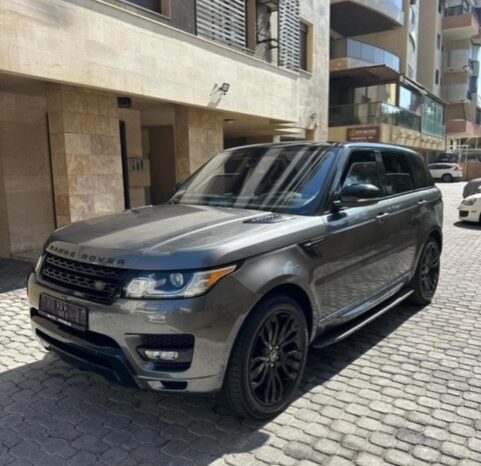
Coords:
472,187
446,172
264,251
470,209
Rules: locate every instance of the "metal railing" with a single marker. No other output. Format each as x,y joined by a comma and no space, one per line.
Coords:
373,113
355,49
456,10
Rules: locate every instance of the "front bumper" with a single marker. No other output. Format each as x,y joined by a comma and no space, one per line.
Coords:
469,214
109,347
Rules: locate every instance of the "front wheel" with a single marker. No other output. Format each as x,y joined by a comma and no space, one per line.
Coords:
425,280
268,359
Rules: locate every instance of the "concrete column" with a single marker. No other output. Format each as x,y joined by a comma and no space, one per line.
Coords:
198,136
86,158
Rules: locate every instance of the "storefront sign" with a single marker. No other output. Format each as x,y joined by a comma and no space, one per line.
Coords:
363,134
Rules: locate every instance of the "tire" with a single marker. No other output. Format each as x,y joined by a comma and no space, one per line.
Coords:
261,378
425,280
447,178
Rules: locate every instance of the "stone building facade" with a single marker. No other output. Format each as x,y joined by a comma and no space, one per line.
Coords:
106,104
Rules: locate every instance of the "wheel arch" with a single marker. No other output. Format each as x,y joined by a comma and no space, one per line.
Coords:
438,236
298,294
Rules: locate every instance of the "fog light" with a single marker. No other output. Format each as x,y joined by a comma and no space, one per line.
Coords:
160,355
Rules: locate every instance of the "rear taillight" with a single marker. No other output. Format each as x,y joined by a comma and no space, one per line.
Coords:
457,167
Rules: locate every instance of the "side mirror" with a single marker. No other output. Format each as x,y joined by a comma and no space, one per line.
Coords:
358,195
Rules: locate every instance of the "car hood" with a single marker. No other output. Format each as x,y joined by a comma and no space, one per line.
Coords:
179,237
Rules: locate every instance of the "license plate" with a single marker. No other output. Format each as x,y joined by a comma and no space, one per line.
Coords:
61,311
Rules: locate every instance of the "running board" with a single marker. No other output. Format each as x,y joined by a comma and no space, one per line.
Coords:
343,331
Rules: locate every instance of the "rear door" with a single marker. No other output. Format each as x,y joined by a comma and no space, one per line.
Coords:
403,204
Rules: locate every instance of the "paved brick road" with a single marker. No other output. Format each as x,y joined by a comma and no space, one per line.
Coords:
406,390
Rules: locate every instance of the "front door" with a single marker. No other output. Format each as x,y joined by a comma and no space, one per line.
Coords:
356,247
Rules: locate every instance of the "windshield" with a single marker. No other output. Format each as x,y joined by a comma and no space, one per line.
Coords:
286,179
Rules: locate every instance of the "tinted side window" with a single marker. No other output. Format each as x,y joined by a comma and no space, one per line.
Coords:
361,168
422,177
398,173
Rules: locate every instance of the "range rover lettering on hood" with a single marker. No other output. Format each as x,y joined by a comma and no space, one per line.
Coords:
72,254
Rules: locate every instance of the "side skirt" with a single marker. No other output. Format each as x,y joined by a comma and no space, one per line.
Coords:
343,331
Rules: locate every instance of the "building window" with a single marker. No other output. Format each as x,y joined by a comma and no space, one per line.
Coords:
158,6
433,117
262,29
305,46
436,78
410,100
438,41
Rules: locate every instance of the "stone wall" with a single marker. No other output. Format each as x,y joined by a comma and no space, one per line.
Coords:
85,145
314,86
26,207
198,135
97,45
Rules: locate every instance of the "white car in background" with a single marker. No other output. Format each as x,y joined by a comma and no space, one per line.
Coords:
470,209
446,172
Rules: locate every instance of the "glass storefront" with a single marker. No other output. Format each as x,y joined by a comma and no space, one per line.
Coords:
433,118
378,104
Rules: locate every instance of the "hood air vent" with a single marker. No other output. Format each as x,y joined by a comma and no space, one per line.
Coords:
269,218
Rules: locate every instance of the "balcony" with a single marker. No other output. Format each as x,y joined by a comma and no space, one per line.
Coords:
350,53
460,24
462,129
457,61
356,17
457,92
373,113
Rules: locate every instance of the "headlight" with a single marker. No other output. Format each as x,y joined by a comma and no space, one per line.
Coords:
174,284
469,201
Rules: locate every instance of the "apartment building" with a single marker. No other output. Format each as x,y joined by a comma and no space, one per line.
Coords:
107,104
382,89
461,40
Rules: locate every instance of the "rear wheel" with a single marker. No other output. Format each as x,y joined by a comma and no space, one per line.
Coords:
425,280
268,359
447,178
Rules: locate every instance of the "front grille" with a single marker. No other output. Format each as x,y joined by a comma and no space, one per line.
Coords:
93,282
463,213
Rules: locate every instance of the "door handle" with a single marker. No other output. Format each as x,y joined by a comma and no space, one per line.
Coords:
422,203
381,217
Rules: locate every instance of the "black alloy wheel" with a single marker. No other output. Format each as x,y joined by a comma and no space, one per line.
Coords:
430,265
276,358
425,280
268,359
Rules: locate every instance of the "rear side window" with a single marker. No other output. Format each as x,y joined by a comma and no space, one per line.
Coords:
399,176
422,177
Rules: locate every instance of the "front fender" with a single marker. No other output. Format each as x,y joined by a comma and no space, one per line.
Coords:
263,274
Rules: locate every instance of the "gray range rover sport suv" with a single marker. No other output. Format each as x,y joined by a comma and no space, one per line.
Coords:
264,251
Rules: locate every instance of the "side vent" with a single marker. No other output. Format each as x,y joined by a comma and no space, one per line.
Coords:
270,218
